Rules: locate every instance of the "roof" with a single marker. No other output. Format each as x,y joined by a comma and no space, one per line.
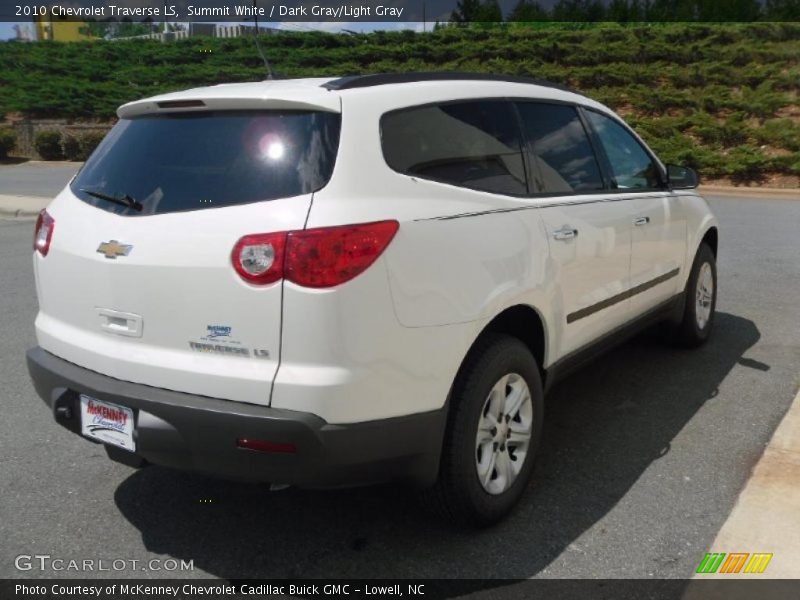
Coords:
386,90
276,94
361,81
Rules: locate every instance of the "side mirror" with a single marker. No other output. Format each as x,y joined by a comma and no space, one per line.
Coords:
682,178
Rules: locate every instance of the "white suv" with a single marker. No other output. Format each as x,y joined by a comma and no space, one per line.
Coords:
328,282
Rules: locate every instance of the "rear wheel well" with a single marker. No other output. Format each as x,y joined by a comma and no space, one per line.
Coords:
523,323
711,239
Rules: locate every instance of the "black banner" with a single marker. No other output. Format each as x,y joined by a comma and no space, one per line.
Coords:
427,589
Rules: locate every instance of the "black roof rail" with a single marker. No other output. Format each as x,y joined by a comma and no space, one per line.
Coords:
361,81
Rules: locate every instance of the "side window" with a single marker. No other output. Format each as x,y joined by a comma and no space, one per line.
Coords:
559,143
469,144
631,166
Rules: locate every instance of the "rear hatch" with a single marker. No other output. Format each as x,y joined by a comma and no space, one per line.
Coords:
138,281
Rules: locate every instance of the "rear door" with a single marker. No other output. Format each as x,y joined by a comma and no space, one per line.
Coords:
150,296
588,229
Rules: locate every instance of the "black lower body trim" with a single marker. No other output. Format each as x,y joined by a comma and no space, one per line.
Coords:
643,287
198,433
671,309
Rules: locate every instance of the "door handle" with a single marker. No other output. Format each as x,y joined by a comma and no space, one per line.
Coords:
565,233
639,221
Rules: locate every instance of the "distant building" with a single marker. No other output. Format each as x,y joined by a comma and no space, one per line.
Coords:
202,30
24,32
58,30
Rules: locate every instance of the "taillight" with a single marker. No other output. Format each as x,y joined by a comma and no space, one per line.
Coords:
43,234
329,256
258,258
265,446
317,258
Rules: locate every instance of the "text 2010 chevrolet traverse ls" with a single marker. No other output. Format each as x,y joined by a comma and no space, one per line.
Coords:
325,282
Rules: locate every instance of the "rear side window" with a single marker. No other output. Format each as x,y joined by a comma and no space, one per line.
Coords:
631,166
201,160
469,144
560,148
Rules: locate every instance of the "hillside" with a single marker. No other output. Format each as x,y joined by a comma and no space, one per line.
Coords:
720,97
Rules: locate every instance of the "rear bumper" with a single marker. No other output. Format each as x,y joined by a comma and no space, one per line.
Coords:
198,433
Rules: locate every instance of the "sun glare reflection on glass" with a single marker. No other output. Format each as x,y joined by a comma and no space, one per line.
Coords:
272,147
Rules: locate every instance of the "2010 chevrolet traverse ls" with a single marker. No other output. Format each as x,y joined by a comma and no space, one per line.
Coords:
328,282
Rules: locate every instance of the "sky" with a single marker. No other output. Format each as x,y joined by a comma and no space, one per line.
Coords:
6,31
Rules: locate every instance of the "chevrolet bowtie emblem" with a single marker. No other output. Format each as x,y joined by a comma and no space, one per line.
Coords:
113,249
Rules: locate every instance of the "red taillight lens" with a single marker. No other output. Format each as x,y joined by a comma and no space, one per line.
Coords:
316,258
265,446
43,234
330,256
259,258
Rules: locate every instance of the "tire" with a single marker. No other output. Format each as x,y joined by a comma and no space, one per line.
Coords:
697,321
490,381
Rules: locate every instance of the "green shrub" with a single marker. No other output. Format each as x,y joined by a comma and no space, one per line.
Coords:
783,133
747,164
729,132
8,139
697,92
88,142
79,147
48,145
70,147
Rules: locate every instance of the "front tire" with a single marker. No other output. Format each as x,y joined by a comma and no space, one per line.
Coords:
700,301
492,435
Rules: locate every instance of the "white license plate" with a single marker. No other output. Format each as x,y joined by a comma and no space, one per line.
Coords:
106,422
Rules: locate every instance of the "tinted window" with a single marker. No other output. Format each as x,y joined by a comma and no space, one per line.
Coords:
559,143
470,144
631,166
203,160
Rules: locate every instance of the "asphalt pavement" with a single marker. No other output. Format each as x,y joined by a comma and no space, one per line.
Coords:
36,178
644,454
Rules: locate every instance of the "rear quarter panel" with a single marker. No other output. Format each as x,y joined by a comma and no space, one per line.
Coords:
441,270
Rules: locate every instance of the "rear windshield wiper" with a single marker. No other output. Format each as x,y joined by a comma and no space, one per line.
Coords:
124,200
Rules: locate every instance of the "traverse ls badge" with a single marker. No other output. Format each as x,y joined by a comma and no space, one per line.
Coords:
113,249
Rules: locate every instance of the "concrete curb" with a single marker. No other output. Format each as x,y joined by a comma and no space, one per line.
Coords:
750,192
21,207
766,516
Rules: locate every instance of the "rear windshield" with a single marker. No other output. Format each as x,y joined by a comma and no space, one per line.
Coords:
192,161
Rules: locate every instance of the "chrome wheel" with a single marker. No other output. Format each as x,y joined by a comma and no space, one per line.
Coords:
504,433
704,295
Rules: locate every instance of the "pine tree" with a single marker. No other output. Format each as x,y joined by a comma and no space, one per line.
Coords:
466,11
782,10
489,12
527,11
619,11
475,11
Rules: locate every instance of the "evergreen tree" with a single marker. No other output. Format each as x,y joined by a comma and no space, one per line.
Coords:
623,11
782,10
579,10
466,11
489,12
595,10
732,10
567,10
618,11
527,11
636,12
475,11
